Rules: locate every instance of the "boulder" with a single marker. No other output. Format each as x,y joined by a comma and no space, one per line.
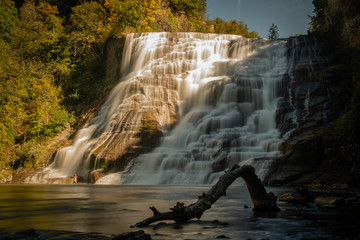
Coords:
96,175
287,197
301,196
329,201
300,157
220,162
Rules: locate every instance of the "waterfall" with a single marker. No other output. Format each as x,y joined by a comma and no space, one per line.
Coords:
222,89
228,100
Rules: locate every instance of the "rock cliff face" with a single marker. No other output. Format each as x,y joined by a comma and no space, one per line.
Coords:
313,101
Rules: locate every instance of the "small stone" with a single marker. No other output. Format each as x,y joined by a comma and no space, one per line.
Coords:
340,202
219,223
221,237
161,224
351,200
139,235
287,197
328,206
325,201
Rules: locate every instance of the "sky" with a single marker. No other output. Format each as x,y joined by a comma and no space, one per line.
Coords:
290,16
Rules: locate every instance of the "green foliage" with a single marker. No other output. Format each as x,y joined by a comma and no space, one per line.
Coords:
252,34
336,19
8,19
39,32
12,95
166,20
232,27
46,117
31,63
190,7
88,30
87,23
31,154
273,32
150,125
318,20
124,14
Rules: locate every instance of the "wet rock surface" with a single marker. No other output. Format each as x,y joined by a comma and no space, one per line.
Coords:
321,197
304,116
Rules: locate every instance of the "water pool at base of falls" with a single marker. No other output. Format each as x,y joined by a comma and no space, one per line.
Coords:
63,210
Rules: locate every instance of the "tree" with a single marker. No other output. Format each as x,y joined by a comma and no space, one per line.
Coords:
149,11
8,19
191,8
232,27
124,14
87,23
273,32
318,20
33,53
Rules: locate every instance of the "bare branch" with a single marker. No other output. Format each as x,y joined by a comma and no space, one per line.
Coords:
180,213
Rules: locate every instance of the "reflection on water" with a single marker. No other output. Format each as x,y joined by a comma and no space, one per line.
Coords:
113,209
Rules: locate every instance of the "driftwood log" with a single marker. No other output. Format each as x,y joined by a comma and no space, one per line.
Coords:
180,213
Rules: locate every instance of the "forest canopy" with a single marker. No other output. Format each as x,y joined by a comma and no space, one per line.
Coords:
52,62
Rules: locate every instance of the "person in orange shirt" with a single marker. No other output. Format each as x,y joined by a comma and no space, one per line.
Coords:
75,178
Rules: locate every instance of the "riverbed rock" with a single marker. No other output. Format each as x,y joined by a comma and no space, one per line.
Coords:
287,197
301,196
138,235
332,201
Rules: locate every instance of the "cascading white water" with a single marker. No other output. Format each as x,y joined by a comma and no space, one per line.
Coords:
225,89
227,115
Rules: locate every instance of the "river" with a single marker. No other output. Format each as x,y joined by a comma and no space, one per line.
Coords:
58,210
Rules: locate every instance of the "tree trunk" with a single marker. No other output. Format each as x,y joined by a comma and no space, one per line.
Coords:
180,213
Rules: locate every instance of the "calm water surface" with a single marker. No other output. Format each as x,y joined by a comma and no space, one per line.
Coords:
113,209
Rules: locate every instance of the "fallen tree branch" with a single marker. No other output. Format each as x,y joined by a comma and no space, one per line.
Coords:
180,213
